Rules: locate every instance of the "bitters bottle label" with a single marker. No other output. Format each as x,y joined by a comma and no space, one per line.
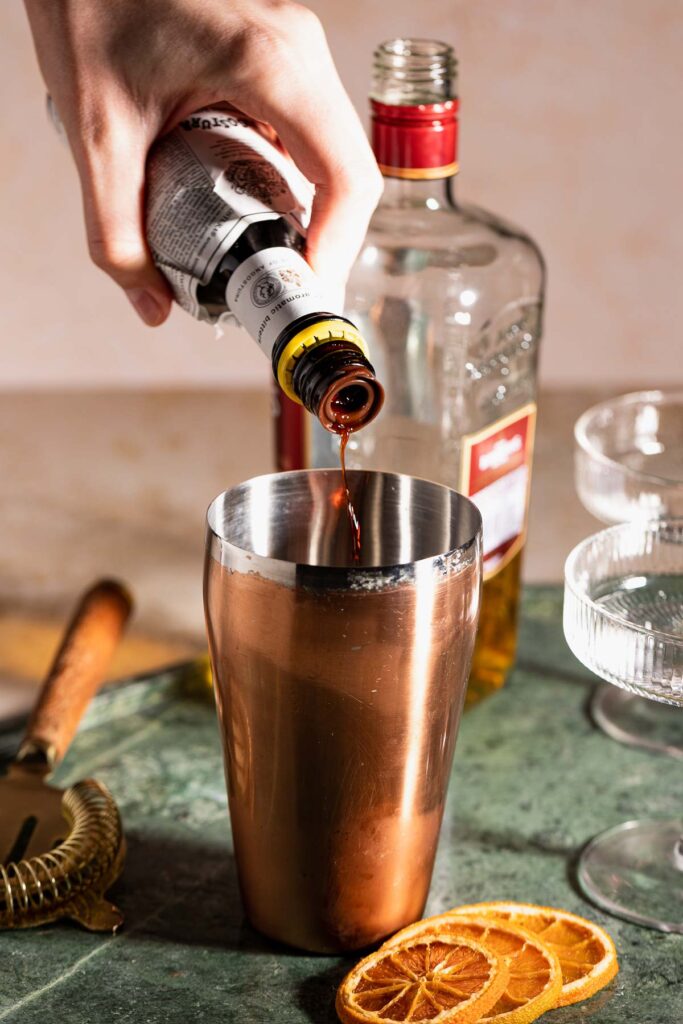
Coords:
271,289
208,180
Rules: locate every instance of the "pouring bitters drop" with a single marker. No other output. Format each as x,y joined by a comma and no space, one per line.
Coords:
344,393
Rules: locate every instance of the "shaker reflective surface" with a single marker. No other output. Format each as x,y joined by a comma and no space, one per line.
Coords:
339,689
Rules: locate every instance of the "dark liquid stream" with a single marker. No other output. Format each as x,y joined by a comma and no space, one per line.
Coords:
351,512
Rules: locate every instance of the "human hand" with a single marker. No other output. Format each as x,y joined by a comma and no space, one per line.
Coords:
120,74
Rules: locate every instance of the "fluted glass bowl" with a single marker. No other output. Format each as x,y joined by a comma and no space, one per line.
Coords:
623,618
623,608
628,458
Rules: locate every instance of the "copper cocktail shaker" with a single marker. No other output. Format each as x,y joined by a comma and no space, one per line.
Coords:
339,688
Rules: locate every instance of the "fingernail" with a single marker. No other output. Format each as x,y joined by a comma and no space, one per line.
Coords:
146,306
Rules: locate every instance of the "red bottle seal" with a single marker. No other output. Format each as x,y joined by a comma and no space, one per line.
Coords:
416,142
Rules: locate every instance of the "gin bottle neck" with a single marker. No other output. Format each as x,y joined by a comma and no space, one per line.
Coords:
430,193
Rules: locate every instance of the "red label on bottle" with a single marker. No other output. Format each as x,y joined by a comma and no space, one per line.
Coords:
416,142
496,474
291,433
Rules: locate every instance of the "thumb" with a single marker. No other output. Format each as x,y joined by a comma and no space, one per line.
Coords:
112,173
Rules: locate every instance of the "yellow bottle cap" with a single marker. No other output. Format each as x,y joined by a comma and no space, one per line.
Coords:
310,337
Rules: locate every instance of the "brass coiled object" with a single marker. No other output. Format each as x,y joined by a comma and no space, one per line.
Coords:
69,881
61,850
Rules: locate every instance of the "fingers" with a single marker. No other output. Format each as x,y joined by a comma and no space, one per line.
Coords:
344,202
111,165
299,92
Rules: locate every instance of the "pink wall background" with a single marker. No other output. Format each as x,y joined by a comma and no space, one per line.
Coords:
571,126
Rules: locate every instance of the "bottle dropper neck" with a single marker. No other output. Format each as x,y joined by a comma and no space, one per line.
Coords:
337,384
321,363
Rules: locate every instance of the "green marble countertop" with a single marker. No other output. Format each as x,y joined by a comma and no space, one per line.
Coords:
533,780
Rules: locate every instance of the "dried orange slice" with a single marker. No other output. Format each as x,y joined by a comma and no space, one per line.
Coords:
586,952
441,980
535,978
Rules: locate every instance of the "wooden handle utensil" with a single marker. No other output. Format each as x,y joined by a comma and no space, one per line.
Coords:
77,672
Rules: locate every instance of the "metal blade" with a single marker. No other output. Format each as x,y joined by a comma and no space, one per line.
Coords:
48,833
18,850
24,796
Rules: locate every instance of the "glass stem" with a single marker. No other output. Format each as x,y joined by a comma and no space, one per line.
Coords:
678,854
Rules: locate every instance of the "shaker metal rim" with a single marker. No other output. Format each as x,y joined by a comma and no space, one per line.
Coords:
361,576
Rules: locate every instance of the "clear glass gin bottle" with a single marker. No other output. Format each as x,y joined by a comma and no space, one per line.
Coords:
450,299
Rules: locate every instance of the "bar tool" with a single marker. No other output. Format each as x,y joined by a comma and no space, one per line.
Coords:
60,850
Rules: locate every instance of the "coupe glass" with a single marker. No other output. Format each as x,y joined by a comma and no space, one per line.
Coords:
629,468
623,618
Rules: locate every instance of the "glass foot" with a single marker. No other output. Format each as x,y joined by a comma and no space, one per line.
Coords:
638,722
635,871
